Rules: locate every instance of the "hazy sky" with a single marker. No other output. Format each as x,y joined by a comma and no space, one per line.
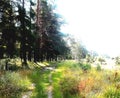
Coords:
95,22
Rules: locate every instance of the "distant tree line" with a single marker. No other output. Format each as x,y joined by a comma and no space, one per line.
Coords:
30,31
77,50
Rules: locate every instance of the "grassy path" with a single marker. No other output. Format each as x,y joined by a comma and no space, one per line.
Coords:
50,87
43,82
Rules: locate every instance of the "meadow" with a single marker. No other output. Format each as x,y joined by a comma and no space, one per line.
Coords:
70,79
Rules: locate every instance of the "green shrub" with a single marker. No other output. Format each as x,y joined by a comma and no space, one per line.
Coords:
11,84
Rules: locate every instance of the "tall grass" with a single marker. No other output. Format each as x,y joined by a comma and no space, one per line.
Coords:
72,81
41,81
12,84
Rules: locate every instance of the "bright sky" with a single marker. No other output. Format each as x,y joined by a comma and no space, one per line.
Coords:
95,22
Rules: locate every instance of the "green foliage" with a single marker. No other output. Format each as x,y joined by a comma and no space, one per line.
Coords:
56,76
58,79
41,81
12,84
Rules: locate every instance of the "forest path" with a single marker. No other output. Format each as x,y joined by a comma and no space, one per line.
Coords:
49,88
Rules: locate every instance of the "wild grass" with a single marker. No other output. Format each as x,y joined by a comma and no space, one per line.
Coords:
72,81
112,92
40,79
12,84
69,80
15,82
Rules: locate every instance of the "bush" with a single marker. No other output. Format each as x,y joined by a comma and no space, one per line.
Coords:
11,84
